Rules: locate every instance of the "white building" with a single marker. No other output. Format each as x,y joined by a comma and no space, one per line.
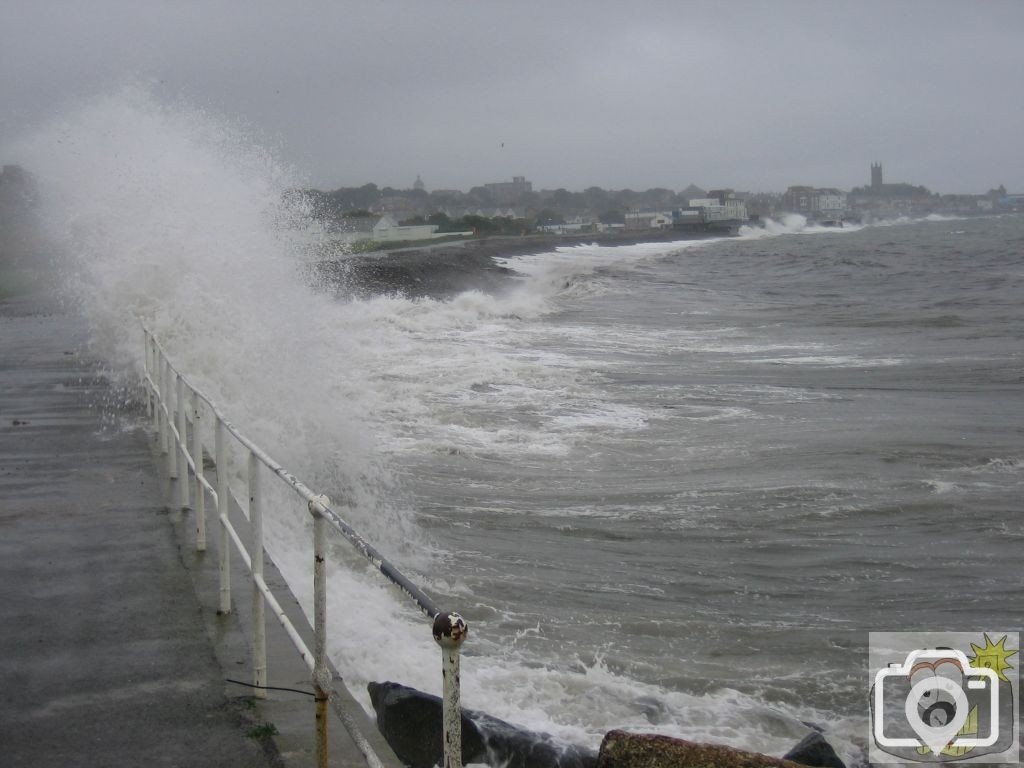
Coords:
389,229
717,209
637,219
830,204
815,202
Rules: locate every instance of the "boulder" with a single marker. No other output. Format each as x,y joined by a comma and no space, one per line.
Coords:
815,752
621,749
410,721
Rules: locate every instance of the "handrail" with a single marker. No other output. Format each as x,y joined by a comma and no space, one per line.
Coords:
166,388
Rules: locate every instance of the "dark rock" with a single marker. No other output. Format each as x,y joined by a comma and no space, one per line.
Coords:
621,749
410,721
814,751
439,272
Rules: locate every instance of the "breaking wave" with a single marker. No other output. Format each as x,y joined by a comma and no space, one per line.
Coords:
172,216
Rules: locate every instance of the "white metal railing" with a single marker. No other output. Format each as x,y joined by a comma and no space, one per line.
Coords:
174,406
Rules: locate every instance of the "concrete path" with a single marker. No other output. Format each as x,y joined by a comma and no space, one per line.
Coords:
104,656
112,652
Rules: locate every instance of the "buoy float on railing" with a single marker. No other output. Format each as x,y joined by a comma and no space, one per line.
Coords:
450,630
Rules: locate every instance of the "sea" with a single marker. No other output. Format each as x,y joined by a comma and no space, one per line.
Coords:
671,486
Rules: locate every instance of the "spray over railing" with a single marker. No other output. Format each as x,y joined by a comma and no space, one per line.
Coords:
178,411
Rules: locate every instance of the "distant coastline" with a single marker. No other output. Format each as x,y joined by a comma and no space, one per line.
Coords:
445,269
519,245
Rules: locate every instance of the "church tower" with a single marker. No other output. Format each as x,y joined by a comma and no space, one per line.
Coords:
876,177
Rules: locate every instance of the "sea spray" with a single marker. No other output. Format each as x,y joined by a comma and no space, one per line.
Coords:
791,224
168,216
172,216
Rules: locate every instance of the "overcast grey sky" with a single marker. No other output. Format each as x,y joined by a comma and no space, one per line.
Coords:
752,95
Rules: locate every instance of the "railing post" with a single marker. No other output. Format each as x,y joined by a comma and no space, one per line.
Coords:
168,447
450,630
259,628
182,442
145,371
197,457
223,542
321,674
154,376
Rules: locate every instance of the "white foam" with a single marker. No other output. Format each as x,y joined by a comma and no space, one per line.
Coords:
573,271
1000,465
792,224
831,361
171,216
942,487
601,416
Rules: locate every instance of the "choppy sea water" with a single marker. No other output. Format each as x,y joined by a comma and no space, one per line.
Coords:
671,486
741,457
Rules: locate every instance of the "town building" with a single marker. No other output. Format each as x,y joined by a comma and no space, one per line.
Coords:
509,192
882,200
721,205
818,203
387,228
637,219
1011,203
571,226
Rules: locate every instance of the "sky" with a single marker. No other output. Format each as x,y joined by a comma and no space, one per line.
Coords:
751,95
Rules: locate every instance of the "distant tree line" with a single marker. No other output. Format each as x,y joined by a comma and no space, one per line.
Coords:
548,207
482,225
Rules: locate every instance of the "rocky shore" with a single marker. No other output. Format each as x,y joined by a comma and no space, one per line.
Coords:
410,721
446,269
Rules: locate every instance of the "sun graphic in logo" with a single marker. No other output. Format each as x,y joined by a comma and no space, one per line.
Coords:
992,656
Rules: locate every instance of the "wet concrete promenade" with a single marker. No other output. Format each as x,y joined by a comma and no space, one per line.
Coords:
109,653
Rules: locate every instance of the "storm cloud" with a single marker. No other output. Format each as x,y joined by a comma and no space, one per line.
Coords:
750,95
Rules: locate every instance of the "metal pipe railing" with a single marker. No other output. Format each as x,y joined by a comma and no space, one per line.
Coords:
198,472
170,400
259,635
224,551
182,442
